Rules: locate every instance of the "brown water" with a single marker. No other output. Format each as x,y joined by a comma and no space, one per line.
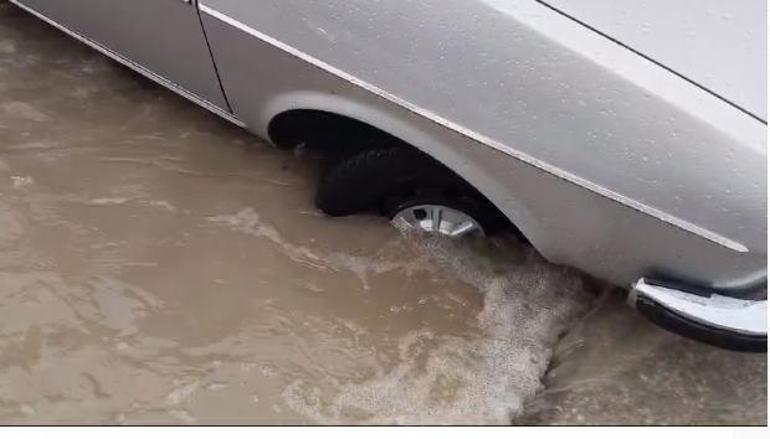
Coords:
158,265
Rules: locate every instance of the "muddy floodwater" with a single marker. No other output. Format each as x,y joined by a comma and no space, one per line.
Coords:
158,265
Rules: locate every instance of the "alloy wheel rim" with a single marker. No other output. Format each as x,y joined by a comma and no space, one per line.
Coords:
438,220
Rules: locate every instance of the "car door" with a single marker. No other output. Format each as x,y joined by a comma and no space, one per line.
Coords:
162,36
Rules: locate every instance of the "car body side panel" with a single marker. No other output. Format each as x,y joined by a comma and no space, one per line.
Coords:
720,44
569,223
520,74
162,36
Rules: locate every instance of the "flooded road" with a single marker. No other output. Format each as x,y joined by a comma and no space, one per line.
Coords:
158,265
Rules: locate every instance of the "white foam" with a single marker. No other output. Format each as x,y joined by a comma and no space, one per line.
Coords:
445,379
248,221
438,377
108,201
182,393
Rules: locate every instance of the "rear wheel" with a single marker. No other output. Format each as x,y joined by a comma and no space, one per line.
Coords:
408,187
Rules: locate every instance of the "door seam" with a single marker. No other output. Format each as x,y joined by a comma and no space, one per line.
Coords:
211,57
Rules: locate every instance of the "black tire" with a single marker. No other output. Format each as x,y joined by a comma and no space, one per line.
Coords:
386,179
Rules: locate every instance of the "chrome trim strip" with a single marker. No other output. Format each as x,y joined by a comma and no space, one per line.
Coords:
482,139
136,67
742,316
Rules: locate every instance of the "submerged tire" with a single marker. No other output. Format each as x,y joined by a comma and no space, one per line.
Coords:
389,179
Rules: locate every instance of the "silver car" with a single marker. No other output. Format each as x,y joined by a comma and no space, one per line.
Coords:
627,139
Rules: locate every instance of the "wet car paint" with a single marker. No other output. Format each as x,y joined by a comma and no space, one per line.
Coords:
158,265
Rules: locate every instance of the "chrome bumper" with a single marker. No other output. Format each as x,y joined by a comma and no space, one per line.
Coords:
719,320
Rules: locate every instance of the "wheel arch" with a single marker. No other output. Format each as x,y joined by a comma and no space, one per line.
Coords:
410,129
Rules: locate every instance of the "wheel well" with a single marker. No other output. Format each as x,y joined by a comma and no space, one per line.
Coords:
333,133
324,130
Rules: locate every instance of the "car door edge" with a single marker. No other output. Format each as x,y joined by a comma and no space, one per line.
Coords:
165,82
